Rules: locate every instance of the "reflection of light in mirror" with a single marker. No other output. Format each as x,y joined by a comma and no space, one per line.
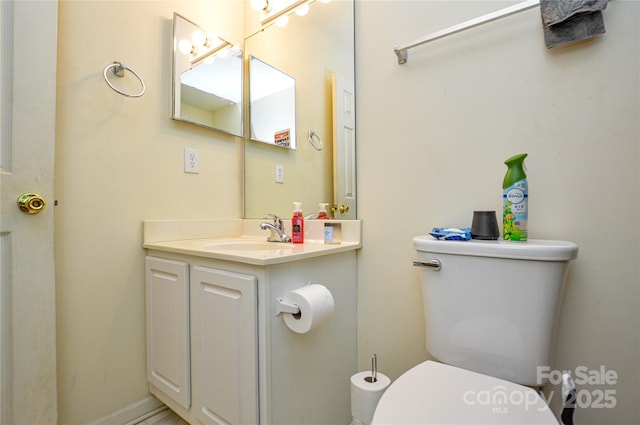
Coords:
302,10
217,47
199,39
278,10
201,45
261,5
186,47
282,21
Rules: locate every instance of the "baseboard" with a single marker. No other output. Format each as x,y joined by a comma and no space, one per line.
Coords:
132,414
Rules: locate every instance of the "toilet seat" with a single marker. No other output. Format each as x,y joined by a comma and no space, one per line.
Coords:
435,393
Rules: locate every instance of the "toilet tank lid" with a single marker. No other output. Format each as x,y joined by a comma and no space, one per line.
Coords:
533,249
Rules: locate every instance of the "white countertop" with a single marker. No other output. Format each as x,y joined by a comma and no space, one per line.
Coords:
243,241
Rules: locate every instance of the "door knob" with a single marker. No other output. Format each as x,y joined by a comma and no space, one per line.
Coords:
31,203
342,209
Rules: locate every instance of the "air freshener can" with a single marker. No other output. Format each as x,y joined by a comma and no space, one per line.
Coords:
515,198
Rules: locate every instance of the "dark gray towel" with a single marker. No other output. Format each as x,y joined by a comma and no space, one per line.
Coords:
565,21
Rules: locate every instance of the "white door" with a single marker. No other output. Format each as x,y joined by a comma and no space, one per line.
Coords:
344,149
28,43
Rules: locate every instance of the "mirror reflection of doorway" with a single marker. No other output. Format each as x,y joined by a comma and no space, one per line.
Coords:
344,148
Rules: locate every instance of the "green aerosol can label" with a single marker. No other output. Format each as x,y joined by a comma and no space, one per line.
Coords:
515,200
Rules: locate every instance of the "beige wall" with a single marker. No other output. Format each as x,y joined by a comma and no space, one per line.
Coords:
432,138
120,160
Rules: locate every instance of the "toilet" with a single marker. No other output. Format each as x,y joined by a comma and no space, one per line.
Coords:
490,310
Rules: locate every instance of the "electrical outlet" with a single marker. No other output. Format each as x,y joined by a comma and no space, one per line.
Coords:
191,160
279,173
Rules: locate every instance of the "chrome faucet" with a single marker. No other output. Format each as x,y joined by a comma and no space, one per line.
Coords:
276,228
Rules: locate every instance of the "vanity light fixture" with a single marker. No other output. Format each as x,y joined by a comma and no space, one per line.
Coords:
217,47
202,45
270,11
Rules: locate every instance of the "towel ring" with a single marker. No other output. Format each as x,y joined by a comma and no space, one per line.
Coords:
315,140
118,70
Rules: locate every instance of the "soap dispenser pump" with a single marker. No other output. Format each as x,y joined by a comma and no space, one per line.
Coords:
297,224
322,212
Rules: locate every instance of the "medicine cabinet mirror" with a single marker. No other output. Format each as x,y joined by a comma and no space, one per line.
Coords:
207,78
272,105
317,51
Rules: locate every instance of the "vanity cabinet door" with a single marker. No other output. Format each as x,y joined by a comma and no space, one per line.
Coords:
224,346
167,293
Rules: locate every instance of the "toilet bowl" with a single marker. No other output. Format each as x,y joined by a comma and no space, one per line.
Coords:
490,310
435,393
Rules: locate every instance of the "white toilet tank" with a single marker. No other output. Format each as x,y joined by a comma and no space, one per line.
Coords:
491,306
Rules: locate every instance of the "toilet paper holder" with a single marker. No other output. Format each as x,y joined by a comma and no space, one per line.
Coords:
283,306
374,370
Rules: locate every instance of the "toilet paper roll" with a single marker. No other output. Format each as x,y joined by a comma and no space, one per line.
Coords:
365,395
316,306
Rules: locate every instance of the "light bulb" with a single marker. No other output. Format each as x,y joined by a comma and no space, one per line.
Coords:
199,38
185,47
282,21
260,5
302,10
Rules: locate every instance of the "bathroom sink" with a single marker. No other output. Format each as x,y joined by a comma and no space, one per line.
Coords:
246,245
241,246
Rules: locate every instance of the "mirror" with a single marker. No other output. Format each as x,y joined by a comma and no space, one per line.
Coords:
272,105
314,50
207,78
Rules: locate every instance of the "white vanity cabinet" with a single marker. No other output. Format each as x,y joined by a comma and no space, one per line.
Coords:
168,361
202,341
218,353
224,346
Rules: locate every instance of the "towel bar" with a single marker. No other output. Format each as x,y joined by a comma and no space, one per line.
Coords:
402,54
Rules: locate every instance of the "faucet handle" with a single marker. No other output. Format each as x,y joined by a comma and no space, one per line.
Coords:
277,221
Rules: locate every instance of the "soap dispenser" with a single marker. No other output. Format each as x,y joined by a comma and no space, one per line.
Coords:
297,224
322,212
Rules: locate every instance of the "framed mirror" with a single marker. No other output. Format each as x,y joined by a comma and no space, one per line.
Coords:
207,78
317,50
272,105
